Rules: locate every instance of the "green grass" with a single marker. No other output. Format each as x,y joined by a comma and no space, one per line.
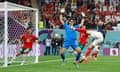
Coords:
53,64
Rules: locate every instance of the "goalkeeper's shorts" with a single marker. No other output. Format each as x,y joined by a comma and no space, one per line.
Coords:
73,44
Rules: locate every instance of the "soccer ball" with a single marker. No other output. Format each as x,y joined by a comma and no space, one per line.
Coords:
62,10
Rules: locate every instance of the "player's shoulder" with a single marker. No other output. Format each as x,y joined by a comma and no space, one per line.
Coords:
65,24
34,36
77,26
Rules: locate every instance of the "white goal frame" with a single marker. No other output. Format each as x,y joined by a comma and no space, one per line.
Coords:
8,6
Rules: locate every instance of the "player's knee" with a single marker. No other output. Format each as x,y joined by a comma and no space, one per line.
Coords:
62,51
18,54
25,52
78,50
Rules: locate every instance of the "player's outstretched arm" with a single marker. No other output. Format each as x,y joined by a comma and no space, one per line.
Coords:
81,30
82,22
61,19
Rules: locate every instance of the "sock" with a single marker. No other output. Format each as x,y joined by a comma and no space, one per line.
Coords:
88,52
78,56
63,57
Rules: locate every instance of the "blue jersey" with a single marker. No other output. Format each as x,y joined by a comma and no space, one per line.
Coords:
71,35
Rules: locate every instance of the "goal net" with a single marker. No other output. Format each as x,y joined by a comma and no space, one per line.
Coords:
14,19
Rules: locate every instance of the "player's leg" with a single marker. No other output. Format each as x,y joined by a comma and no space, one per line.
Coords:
81,47
87,53
62,54
94,43
18,54
65,46
74,45
26,51
89,50
94,55
78,50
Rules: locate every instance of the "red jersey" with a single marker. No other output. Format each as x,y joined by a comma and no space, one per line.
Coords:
28,40
83,35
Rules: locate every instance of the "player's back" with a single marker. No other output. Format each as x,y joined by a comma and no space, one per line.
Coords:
96,34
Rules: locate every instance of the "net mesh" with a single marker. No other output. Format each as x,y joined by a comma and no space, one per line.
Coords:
18,21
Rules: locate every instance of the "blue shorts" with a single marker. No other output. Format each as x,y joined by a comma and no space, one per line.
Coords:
73,44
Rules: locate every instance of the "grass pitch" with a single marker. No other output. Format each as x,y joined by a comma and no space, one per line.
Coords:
53,64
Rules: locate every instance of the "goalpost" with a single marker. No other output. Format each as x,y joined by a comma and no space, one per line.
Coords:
14,19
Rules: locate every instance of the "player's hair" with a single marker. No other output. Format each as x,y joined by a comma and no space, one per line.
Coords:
74,20
29,28
82,26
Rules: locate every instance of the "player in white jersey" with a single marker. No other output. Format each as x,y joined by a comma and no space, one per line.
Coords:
97,36
97,40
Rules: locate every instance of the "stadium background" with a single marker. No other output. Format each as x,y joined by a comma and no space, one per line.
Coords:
45,29
53,63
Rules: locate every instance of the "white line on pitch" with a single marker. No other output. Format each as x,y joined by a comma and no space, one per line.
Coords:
38,63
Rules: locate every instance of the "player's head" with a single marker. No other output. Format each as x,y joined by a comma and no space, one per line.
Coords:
72,21
29,30
83,26
56,35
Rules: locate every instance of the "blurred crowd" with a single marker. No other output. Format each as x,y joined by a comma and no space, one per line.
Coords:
107,11
94,11
21,2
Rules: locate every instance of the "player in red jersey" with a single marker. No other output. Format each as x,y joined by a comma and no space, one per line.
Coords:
82,38
27,39
83,35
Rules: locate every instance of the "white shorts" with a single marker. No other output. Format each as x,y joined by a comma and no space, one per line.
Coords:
98,40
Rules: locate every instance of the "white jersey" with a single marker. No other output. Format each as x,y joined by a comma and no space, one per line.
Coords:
98,37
